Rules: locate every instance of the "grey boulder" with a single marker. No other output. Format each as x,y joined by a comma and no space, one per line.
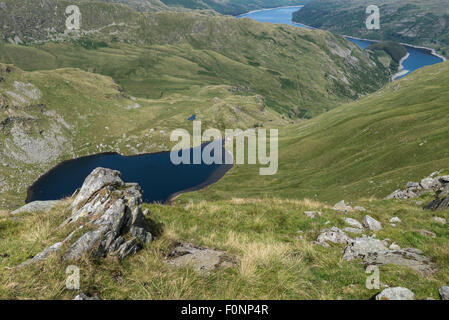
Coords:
374,252
371,223
444,293
334,235
342,207
353,223
397,293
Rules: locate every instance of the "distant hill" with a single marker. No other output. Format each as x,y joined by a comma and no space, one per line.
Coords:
154,54
103,88
231,7
228,7
410,21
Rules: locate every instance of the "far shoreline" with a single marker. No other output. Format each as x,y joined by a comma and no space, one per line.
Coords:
431,51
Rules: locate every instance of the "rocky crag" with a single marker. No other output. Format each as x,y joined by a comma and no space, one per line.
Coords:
108,214
434,183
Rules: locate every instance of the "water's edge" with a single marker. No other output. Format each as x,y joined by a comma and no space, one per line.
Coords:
215,177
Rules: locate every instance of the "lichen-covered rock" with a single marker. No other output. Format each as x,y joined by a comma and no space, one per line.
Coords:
371,223
334,235
110,210
430,183
397,293
374,252
353,230
201,259
342,207
353,223
439,220
444,293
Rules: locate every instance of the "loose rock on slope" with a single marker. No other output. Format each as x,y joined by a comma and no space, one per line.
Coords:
374,252
397,293
201,259
371,223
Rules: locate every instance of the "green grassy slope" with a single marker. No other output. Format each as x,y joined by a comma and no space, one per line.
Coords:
298,72
367,148
232,7
410,21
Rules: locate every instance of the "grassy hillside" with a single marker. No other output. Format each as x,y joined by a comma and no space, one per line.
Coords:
272,259
410,21
366,148
297,72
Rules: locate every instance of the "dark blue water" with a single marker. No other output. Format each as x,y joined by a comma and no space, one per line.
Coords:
418,57
155,173
192,118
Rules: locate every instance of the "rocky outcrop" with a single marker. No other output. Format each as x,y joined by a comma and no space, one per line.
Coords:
433,183
397,293
342,206
444,293
201,259
353,223
374,252
333,235
111,212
